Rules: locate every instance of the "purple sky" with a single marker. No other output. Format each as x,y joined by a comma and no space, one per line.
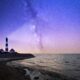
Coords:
54,29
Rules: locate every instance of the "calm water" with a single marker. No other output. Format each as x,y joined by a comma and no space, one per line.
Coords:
67,64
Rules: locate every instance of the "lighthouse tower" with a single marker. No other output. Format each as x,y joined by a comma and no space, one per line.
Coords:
6,45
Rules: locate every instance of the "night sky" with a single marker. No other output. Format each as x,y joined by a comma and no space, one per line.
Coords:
43,26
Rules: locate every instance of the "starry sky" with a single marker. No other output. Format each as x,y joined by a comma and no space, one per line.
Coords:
41,26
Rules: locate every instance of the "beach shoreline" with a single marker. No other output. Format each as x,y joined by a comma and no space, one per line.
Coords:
28,73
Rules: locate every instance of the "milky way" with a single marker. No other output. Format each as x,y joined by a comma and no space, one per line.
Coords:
41,25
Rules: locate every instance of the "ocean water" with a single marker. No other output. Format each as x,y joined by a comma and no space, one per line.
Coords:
67,64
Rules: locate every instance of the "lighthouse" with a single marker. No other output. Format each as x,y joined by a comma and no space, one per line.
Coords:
6,45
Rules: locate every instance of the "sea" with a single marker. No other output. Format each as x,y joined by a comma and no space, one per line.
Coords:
66,64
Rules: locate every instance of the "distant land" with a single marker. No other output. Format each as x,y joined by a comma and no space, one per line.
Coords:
12,53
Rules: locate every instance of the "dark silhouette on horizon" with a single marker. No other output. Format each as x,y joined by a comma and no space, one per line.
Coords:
12,53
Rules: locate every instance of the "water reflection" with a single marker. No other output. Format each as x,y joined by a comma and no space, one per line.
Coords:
67,64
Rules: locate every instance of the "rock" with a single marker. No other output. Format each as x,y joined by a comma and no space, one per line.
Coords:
36,78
